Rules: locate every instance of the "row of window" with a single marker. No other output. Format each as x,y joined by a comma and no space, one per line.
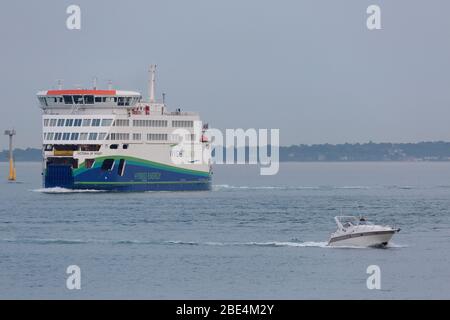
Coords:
119,136
182,123
122,123
150,123
138,136
87,99
74,136
77,122
92,136
157,136
117,123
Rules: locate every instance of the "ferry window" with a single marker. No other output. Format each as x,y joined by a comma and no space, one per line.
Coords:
120,136
106,122
89,163
60,100
78,99
157,136
114,146
58,136
93,136
69,122
95,122
89,99
50,136
108,164
66,136
74,136
43,101
125,146
68,99
77,123
121,101
121,123
121,168
48,147
45,136
136,136
50,101
46,121
182,123
52,122
98,99
102,136
86,122
61,122
83,136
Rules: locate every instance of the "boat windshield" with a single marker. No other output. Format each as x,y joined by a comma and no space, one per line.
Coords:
347,224
363,222
351,221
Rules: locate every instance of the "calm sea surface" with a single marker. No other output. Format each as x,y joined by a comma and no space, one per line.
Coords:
251,237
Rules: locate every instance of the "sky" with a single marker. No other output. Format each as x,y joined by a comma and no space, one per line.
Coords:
309,68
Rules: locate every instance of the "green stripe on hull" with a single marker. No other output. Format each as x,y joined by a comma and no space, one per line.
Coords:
142,162
137,182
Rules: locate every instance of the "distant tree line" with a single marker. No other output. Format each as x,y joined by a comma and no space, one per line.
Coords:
422,151
426,151
29,154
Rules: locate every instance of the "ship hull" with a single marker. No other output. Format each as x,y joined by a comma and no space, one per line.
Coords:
138,175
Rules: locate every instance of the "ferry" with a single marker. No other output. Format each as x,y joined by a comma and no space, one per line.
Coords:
113,140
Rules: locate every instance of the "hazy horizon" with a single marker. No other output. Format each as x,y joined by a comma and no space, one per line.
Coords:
310,68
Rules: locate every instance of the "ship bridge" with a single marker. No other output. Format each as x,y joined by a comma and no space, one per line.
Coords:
87,98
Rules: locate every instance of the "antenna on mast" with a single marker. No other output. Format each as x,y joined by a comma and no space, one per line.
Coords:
151,83
95,83
60,84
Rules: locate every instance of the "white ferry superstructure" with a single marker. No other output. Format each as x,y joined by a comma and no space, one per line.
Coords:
113,140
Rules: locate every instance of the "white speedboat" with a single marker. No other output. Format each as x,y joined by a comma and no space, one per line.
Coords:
358,232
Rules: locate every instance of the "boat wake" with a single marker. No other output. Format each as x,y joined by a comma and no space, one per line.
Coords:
273,244
219,187
58,190
223,187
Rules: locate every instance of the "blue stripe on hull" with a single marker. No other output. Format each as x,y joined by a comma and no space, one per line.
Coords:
205,186
135,178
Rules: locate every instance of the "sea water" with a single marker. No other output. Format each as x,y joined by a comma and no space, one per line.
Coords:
251,237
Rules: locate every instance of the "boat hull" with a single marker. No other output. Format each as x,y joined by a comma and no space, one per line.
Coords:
138,176
367,239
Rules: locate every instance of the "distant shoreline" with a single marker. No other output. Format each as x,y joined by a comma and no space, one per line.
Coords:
359,152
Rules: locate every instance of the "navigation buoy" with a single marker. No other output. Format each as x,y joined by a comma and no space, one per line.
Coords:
12,169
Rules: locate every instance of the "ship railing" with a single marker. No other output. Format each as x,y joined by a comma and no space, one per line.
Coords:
179,113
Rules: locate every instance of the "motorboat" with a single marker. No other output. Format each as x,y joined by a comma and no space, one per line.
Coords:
358,232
